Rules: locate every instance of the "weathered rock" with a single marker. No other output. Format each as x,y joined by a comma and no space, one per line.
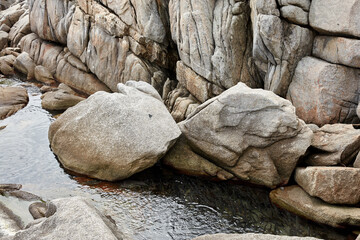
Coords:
7,65
249,236
12,99
325,93
5,28
123,133
10,51
74,218
10,186
333,145
214,40
339,50
4,39
38,209
335,185
182,158
11,15
10,223
357,161
304,4
297,201
335,17
278,46
19,29
59,100
45,89
295,14
235,132
25,65
42,74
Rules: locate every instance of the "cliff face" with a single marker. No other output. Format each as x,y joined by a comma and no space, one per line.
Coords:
191,51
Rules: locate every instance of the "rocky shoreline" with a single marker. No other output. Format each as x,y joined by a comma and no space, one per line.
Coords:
261,92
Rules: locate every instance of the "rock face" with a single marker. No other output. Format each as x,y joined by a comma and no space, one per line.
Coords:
251,133
249,236
325,93
278,46
297,201
338,50
335,185
70,218
112,136
12,99
42,74
25,65
335,17
333,145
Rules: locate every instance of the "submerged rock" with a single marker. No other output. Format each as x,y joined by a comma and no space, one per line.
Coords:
335,185
297,201
12,99
112,136
252,133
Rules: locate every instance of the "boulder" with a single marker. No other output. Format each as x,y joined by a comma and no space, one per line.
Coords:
12,99
42,74
4,39
5,28
338,50
183,159
325,93
112,136
59,100
357,161
334,144
295,14
249,236
335,185
303,4
335,17
70,218
294,199
7,65
252,133
25,64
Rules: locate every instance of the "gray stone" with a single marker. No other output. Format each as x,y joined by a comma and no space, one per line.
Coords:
335,185
304,4
339,50
74,218
25,65
297,201
334,144
4,39
295,15
42,74
123,133
325,93
252,133
335,17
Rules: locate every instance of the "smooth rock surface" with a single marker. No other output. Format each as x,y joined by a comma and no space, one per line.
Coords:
252,133
335,17
334,144
42,74
12,99
297,201
335,185
71,218
249,236
59,100
325,93
295,14
339,50
112,136
7,65
25,65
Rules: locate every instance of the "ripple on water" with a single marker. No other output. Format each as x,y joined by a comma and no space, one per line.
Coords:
155,204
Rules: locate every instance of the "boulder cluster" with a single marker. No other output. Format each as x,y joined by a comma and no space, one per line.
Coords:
263,91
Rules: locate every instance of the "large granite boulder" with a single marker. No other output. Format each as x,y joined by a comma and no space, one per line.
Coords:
70,218
334,144
296,200
112,136
12,99
335,17
252,133
335,185
325,93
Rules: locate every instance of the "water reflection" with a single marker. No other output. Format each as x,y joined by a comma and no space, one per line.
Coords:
155,204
